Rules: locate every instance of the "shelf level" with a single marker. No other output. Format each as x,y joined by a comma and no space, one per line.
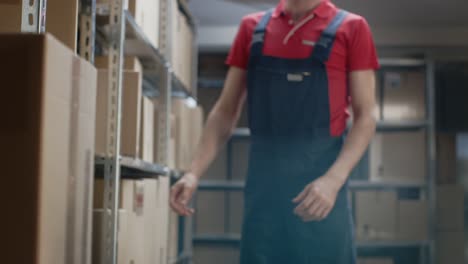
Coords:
133,168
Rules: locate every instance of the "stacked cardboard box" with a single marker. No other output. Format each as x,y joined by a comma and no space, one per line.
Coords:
398,157
62,19
139,202
412,220
381,216
163,220
376,215
216,254
375,261
182,51
130,63
131,113
450,239
188,129
146,15
404,96
147,130
126,249
47,128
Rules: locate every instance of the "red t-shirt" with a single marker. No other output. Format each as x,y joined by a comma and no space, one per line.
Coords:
353,49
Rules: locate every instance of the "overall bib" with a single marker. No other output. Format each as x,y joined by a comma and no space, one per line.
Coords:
289,118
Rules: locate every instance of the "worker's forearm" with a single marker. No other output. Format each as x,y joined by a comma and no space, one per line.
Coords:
357,141
217,131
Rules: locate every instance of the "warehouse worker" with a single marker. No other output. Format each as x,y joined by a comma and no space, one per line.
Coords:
299,67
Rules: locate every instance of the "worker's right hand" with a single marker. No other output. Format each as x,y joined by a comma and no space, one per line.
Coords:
181,194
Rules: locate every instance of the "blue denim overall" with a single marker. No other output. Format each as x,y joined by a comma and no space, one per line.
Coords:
289,118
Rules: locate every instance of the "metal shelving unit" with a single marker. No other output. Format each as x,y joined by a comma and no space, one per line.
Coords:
425,189
118,34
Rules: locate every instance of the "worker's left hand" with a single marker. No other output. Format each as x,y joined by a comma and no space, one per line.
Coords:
317,199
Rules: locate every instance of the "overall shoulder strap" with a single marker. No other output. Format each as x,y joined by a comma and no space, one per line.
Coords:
324,45
259,34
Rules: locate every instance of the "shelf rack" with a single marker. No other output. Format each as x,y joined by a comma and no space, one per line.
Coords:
427,188
118,34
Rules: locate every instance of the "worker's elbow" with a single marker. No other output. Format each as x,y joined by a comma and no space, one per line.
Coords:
224,121
366,119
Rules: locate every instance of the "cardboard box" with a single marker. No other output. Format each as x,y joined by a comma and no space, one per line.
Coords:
376,214
450,247
236,212
398,157
131,113
183,126
151,218
450,208
131,200
211,254
210,216
212,66
412,220
147,131
10,15
131,63
61,19
146,14
163,223
53,121
375,261
173,244
127,251
404,96
172,160
175,38
185,47
240,159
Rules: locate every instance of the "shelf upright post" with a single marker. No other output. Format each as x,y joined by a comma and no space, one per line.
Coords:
112,159
164,120
87,29
431,156
33,16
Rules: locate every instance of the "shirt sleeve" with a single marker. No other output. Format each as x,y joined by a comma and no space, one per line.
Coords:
362,50
240,49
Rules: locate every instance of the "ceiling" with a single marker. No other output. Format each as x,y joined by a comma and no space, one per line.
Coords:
380,13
